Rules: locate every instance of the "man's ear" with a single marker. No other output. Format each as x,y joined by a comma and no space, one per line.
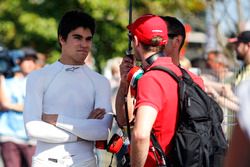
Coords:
177,41
136,40
61,40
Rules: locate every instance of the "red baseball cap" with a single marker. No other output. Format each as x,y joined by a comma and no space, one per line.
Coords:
148,26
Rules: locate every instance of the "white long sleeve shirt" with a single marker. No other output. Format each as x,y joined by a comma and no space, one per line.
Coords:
72,92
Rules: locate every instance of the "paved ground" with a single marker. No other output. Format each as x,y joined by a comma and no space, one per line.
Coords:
105,159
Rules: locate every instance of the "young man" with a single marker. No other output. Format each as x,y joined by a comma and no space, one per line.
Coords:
16,148
151,112
68,106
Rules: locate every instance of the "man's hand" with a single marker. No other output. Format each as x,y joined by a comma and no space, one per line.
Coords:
50,118
97,113
6,105
125,66
212,92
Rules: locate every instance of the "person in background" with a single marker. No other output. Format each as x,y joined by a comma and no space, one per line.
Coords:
112,72
217,81
239,147
90,61
176,36
16,148
241,45
185,63
68,105
41,57
41,60
218,66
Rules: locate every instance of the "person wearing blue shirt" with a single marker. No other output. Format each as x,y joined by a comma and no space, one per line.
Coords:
16,148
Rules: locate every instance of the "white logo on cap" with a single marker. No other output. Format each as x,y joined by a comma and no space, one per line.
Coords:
156,30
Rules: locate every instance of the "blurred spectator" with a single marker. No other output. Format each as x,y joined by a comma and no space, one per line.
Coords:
16,148
90,61
41,57
185,62
112,72
217,80
239,148
41,60
199,65
241,45
219,65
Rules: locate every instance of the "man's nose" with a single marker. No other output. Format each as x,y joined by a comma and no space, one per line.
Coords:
84,43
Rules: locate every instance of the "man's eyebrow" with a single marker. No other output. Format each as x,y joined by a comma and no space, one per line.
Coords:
80,36
89,37
77,35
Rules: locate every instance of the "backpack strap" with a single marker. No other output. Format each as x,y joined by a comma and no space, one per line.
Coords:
164,158
170,72
187,77
185,73
177,79
154,140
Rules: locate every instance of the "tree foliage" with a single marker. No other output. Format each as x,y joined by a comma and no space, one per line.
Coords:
34,22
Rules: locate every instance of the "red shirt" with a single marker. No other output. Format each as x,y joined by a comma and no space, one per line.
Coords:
159,90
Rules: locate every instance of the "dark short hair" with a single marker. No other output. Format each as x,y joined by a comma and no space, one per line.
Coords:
74,19
175,27
28,54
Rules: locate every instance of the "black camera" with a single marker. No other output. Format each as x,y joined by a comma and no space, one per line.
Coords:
8,61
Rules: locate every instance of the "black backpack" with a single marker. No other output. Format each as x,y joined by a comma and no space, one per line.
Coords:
199,140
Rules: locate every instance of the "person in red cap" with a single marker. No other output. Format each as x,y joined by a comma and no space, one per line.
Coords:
242,48
156,104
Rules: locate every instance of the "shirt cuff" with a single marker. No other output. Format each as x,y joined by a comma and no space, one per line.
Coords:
62,123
